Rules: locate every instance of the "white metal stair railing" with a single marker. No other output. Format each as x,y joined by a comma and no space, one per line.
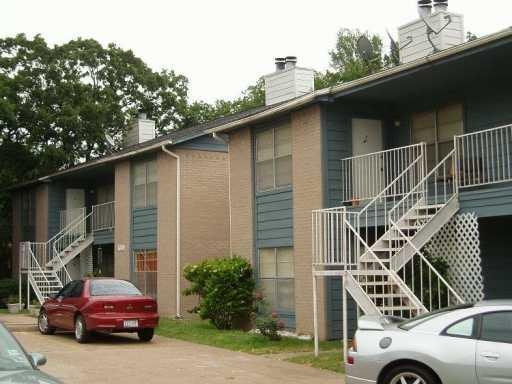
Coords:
413,222
44,282
365,176
103,216
484,157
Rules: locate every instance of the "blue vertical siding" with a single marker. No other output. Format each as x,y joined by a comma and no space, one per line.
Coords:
274,219
144,228
337,128
56,203
104,237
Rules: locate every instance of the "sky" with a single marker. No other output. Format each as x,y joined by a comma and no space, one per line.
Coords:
223,46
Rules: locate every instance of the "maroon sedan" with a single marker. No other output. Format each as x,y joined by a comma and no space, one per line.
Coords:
99,305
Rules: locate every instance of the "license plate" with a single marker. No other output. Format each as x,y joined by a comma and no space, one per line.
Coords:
131,324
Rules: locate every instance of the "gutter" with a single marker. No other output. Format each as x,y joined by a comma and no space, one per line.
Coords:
178,227
315,96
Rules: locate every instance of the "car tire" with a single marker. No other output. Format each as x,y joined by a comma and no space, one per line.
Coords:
43,324
410,373
81,333
146,334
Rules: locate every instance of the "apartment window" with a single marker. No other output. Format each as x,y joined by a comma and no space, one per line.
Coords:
437,128
144,184
274,158
146,271
276,278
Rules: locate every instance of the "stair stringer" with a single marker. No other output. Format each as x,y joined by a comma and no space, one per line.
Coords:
425,233
77,247
360,296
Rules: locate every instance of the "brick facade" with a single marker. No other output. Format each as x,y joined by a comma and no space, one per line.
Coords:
240,163
123,220
308,194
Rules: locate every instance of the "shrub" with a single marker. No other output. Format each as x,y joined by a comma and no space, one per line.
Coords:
225,289
269,326
8,287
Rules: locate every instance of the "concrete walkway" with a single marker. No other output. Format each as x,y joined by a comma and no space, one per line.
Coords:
123,359
19,322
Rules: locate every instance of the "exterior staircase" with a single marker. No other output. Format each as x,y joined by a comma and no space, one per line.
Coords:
379,245
45,263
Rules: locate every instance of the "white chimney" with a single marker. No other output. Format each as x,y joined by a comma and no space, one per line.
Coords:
140,130
445,29
288,81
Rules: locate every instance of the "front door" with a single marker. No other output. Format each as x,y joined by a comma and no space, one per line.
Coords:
494,349
75,200
367,177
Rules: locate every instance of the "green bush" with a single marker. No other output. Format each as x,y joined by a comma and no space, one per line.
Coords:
225,288
8,287
269,326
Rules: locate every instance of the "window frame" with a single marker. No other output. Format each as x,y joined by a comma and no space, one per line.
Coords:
474,332
276,279
145,164
481,324
436,142
275,187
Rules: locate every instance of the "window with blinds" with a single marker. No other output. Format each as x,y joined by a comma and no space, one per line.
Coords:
273,158
436,128
144,184
276,278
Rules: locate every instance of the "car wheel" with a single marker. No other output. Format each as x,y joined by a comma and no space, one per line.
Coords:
410,374
146,334
44,325
81,332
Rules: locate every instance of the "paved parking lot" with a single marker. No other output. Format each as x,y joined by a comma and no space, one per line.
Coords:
123,359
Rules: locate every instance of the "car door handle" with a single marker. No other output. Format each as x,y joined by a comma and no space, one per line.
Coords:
490,355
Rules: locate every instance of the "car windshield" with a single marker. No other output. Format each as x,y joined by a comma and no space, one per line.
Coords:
12,356
113,288
411,323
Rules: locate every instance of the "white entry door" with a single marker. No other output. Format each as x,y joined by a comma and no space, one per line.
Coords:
75,201
367,180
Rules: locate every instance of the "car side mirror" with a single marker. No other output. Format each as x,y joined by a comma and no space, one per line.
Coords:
38,359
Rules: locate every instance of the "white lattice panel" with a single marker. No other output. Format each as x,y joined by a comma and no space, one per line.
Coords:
458,244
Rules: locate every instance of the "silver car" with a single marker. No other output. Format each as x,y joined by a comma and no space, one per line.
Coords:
18,367
459,345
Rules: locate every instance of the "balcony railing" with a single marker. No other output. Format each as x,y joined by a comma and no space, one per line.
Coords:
103,216
67,216
365,176
484,157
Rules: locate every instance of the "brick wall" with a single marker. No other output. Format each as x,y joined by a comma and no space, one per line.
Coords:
204,209
204,218
308,194
123,219
240,163
166,235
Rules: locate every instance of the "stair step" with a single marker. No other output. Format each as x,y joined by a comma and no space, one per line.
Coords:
398,308
387,296
394,238
386,249
430,206
408,227
418,216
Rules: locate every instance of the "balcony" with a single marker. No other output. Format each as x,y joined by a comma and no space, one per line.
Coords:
102,216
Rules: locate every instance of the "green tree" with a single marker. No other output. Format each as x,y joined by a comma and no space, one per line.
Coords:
59,103
347,63
201,112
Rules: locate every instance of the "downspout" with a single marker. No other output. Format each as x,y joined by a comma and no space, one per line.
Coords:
178,228
224,138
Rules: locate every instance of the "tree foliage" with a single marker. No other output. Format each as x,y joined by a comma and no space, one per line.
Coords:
346,62
61,102
201,112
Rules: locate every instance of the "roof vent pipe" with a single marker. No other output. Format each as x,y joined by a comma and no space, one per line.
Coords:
280,63
424,8
291,61
440,5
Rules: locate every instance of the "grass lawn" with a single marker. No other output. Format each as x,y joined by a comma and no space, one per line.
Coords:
202,332
332,361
